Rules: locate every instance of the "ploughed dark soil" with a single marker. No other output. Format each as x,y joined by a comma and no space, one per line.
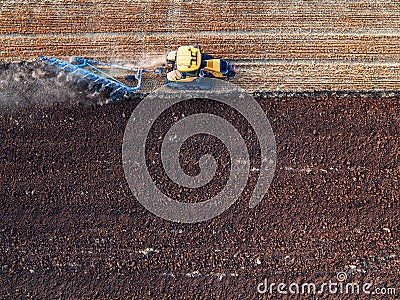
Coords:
71,228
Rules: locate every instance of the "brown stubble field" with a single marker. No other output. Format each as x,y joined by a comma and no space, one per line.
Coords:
293,45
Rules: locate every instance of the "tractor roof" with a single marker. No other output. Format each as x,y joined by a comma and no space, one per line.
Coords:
188,59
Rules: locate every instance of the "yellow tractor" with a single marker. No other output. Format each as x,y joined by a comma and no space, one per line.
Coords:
188,63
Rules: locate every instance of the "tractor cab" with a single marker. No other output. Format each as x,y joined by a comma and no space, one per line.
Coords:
188,63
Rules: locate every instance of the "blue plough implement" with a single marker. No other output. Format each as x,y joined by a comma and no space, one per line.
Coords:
89,70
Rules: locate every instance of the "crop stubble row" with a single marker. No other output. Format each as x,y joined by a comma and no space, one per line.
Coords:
29,17
361,36
230,45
